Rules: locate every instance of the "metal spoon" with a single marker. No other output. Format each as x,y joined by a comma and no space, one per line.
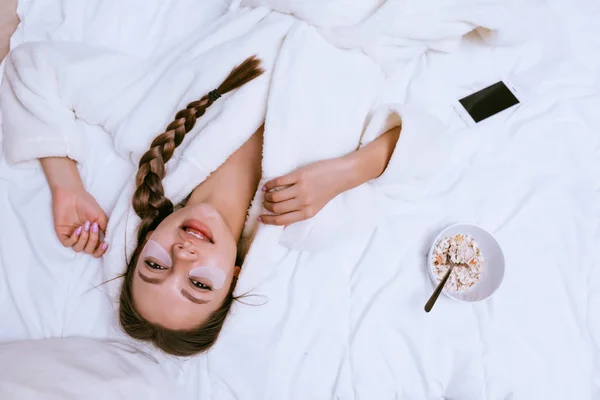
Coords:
439,288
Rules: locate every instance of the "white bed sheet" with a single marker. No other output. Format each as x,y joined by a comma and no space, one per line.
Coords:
531,177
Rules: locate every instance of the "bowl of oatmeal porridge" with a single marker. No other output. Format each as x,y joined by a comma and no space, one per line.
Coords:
478,259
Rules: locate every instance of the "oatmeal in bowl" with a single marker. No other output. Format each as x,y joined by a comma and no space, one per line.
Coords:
463,251
477,258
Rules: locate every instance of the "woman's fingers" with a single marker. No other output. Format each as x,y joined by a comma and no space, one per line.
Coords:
102,222
100,250
278,196
87,238
92,242
83,238
283,206
71,240
283,219
285,180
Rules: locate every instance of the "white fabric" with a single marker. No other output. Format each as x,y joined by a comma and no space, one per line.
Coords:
320,13
80,368
530,176
393,31
399,30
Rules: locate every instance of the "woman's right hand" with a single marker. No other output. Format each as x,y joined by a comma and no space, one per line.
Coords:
79,220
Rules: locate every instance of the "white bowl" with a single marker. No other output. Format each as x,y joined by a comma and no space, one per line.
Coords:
493,264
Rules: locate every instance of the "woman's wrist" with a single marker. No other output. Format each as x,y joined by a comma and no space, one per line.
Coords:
352,172
370,161
61,173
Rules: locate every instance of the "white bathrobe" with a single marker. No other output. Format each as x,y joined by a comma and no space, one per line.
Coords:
317,101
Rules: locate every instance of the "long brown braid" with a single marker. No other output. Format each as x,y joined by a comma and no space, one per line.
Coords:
151,205
149,201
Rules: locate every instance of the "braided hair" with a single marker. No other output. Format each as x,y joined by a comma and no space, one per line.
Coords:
152,206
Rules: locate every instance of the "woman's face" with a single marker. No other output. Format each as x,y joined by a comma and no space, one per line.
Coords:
185,269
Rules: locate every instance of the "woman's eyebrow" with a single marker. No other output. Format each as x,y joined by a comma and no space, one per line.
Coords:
192,298
147,279
185,294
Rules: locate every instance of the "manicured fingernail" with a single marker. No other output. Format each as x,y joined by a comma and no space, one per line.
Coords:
259,219
104,246
264,189
78,231
87,226
95,227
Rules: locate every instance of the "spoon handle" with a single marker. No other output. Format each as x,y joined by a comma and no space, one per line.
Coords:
438,290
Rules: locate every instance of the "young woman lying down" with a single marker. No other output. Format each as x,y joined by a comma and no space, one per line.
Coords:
179,281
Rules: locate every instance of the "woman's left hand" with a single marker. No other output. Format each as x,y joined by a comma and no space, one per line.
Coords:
303,193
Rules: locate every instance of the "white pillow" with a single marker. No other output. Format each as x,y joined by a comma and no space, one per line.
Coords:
80,368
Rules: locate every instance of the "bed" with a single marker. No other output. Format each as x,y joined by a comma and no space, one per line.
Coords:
531,177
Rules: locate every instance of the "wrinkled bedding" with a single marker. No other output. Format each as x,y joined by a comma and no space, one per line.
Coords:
530,176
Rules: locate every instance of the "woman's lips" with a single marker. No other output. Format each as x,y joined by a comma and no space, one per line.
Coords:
195,228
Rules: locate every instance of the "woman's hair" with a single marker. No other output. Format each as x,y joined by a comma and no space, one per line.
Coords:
151,205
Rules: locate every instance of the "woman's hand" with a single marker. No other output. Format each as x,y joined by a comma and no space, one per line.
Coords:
78,219
303,193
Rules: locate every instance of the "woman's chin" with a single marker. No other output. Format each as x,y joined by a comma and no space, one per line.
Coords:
202,212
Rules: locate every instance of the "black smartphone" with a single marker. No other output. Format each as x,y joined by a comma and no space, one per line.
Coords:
489,101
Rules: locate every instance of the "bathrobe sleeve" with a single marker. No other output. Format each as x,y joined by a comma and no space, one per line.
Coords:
421,153
420,157
53,89
47,87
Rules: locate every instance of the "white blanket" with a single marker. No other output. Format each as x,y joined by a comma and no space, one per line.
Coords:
80,368
361,333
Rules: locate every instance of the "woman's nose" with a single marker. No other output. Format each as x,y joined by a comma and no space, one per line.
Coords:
185,251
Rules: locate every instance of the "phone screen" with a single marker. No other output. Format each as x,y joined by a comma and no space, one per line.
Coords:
489,101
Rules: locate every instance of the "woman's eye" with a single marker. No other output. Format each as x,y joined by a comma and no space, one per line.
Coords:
200,285
154,265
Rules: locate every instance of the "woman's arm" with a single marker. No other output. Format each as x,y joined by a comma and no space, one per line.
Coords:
419,157
370,161
303,193
78,219
61,172
47,88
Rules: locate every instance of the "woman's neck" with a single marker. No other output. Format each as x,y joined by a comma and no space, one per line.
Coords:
232,186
